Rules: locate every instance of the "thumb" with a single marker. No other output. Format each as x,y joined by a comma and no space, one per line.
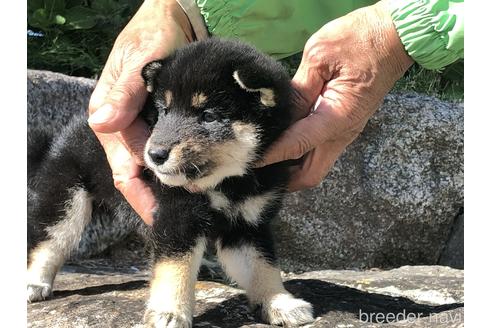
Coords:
114,107
307,131
299,138
311,75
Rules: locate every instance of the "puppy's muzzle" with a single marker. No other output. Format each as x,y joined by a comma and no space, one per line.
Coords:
158,155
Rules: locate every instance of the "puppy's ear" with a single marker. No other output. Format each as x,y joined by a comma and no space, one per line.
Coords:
257,79
149,72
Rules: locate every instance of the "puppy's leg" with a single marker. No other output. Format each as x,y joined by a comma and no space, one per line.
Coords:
61,238
172,289
248,266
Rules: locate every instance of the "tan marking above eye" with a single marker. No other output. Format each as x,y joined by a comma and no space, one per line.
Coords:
168,97
198,99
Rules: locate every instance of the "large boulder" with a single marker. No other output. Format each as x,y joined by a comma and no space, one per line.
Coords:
421,296
393,198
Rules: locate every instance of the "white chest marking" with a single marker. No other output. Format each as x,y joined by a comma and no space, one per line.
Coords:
249,209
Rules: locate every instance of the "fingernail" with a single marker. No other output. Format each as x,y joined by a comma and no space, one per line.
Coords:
102,115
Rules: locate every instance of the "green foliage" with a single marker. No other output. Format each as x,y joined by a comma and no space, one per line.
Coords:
77,35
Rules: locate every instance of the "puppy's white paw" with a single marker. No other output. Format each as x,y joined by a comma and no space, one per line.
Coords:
153,319
285,310
38,292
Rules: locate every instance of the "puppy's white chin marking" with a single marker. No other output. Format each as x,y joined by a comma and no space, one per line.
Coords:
172,180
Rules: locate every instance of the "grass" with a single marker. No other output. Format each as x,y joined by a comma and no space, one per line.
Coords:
81,43
83,54
446,85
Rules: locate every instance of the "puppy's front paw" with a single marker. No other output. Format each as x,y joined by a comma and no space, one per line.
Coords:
154,319
285,310
38,292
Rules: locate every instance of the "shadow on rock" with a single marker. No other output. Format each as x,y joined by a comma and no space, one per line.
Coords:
328,300
101,289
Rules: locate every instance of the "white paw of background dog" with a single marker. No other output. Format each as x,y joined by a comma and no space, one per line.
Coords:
38,292
285,310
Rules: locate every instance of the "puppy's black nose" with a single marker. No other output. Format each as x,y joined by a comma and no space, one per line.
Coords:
159,156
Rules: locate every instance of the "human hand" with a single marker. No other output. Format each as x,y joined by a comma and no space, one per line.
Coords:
347,68
158,28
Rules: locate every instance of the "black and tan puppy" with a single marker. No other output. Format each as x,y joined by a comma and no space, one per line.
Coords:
214,107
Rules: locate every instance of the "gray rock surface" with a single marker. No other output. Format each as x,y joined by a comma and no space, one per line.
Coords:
390,200
420,296
392,197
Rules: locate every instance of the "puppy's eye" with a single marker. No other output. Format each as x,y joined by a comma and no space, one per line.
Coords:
209,117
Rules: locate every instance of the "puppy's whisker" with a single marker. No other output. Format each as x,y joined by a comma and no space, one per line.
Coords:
196,167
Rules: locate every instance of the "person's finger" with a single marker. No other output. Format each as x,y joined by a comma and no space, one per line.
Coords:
140,197
122,103
315,166
134,139
312,74
302,107
102,89
308,130
300,137
126,176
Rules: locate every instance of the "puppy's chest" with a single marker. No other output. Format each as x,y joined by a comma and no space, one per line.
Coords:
250,209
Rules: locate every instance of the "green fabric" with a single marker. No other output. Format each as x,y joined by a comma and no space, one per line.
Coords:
277,27
432,31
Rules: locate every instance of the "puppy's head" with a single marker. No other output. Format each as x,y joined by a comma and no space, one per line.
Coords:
217,105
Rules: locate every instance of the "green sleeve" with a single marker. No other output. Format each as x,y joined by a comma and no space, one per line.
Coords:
279,28
432,31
